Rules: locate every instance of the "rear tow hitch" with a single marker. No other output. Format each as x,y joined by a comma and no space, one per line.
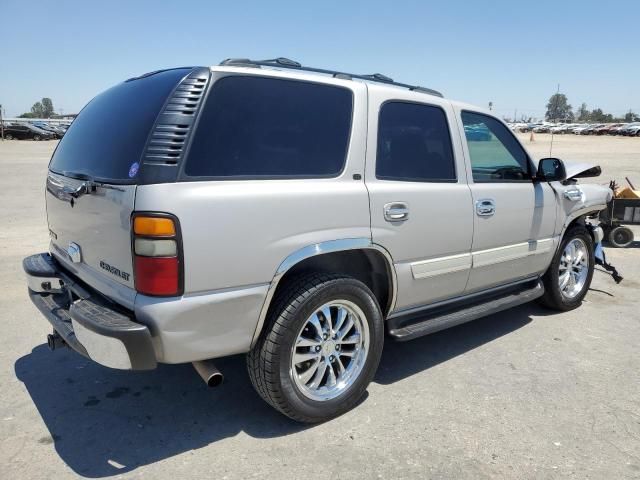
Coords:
54,340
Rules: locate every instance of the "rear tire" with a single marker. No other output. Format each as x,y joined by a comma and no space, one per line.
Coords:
568,278
300,365
36,138
8,136
620,237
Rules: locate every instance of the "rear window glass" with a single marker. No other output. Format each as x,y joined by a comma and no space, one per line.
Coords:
110,133
274,128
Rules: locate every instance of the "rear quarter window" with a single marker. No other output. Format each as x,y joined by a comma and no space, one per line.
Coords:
271,128
110,133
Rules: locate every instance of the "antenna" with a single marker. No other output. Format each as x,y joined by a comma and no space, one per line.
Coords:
555,119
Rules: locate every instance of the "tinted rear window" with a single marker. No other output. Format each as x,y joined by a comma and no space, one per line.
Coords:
414,144
110,133
274,128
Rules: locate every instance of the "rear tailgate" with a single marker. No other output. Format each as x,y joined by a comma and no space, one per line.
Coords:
91,234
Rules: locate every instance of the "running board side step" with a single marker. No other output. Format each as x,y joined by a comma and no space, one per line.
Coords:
408,327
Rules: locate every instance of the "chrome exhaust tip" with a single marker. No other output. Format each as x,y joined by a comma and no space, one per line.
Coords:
209,373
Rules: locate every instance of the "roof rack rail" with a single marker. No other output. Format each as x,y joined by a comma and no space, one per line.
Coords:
282,62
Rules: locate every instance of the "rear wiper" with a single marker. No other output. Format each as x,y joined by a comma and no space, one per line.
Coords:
87,187
76,175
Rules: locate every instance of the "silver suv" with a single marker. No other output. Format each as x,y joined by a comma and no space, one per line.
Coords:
297,215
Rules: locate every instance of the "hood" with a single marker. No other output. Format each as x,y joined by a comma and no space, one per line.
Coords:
581,170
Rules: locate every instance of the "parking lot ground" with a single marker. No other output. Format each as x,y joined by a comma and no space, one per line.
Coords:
526,393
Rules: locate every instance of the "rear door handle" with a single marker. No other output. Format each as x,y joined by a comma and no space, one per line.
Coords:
396,212
485,207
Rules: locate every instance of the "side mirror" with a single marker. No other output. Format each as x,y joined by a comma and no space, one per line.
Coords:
551,170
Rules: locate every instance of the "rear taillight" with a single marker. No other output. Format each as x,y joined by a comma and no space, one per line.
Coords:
157,254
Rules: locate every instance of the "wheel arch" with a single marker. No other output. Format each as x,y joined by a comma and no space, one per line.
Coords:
579,218
357,257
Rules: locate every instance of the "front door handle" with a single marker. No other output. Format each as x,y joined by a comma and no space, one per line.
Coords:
485,207
396,212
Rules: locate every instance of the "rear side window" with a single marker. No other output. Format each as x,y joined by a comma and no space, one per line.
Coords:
110,133
414,144
273,128
496,155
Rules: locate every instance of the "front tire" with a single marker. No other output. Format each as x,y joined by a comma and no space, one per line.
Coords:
568,278
320,347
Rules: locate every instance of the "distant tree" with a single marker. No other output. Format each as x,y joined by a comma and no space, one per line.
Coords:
42,109
28,115
630,116
558,108
47,108
37,110
598,116
583,113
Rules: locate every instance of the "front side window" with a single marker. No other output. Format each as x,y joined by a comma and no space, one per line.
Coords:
496,155
414,144
271,128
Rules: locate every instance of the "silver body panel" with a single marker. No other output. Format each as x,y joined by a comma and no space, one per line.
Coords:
201,326
240,237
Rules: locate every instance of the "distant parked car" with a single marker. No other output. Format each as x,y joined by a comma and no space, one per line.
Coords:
55,131
478,133
580,129
617,130
606,129
633,131
629,129
588,129
560,129
25,132
542,128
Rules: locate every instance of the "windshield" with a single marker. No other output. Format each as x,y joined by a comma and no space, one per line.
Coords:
110,133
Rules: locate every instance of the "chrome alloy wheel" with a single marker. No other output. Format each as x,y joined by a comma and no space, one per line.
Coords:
573,269
330,350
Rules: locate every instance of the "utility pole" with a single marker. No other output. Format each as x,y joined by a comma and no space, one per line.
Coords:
1,124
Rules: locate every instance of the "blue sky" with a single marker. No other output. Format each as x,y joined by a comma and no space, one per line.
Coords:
513,53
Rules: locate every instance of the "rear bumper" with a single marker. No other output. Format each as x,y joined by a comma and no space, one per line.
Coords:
88,323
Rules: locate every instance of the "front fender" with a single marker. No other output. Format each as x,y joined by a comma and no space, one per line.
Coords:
576,200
